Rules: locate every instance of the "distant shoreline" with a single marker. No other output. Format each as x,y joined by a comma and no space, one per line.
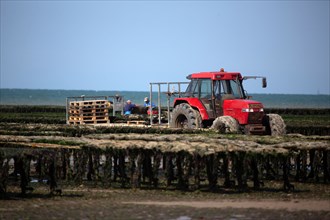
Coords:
163,107
58,98
143,91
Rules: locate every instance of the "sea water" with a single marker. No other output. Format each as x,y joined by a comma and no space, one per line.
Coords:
58,97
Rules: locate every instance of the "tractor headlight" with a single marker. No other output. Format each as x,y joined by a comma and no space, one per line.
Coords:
252,110
257,107
247,110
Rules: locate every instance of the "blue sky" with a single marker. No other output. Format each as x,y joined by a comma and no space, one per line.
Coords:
124,45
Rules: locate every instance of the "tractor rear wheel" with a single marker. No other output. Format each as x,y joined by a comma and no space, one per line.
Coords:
184,116
275,125
225,124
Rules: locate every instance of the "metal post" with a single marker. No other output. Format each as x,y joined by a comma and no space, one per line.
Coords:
150,103
114,107
168,104
159,105
122,104
66,113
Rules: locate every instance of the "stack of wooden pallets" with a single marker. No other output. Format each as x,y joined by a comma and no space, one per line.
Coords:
89,112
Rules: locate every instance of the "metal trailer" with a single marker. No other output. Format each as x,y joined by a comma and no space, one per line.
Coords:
175,91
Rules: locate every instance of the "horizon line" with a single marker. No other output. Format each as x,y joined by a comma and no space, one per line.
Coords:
154,91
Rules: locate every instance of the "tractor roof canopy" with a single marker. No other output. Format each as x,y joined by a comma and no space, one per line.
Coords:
221,75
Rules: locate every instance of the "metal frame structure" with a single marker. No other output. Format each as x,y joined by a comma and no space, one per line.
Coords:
169,95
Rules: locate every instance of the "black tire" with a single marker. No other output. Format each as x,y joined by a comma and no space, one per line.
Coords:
275,125
184,116
225,124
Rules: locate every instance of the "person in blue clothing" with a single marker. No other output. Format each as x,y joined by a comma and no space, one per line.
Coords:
128,107
149,104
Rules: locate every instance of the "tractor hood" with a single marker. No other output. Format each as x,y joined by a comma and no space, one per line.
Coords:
243,109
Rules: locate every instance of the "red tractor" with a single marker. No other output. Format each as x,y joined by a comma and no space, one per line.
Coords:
218,100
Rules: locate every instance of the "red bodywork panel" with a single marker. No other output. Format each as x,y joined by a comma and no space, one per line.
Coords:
195,103
216,75
234,108
231,108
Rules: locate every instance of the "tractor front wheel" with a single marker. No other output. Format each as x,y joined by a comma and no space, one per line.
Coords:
184,116
225,124
275,125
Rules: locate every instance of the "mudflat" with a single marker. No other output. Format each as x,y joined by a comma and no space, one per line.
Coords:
309,201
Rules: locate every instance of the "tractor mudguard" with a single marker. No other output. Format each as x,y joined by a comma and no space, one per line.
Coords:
195,103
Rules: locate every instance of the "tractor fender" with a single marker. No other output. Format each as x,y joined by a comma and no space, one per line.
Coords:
195,103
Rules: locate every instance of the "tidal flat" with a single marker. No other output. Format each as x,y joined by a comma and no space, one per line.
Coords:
50,169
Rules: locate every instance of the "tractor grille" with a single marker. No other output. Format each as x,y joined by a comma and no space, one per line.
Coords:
255,117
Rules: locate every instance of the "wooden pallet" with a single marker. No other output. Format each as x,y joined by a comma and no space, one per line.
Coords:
89,112
94,109
136,122
82,122
99,121
85,118
91,103
73,122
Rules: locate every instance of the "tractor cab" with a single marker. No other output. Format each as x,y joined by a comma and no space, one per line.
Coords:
212,88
